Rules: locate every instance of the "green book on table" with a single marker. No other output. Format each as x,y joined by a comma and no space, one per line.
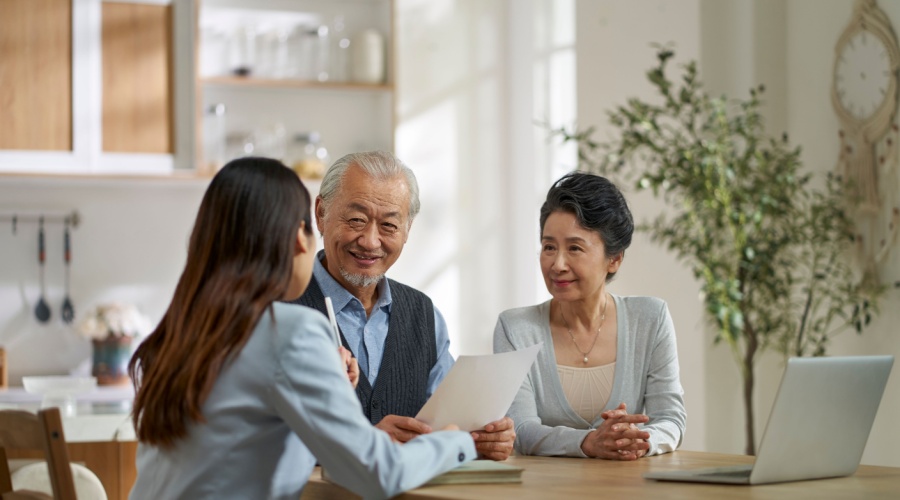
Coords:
479,471
476,471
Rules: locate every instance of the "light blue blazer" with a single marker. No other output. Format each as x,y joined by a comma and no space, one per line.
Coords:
282,404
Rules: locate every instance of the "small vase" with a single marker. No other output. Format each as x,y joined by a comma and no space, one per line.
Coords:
110,360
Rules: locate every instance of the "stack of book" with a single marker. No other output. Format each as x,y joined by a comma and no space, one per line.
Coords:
476,471
480,471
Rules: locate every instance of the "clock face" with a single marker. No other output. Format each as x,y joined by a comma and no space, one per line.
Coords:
862,75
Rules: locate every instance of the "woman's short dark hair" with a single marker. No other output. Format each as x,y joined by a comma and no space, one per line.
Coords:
597,204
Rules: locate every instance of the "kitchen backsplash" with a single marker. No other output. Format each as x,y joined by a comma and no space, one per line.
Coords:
129,246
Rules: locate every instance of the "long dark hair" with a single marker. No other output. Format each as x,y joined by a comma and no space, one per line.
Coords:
239,261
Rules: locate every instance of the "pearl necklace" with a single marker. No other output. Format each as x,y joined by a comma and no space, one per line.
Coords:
596,335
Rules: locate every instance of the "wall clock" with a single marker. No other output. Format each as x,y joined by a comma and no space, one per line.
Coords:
864,95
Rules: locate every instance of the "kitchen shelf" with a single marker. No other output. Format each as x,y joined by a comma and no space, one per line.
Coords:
257,106
239,81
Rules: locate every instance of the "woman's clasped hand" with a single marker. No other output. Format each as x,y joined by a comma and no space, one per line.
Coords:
618,437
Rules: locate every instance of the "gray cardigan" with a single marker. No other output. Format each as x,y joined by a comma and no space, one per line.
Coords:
646,379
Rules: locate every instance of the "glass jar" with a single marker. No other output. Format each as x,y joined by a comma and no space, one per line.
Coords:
214,136
243,50
323,54
239,144
308,156
368,64
214,52
312,53
340,49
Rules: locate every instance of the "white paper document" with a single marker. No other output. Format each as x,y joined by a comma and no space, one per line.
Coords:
478,389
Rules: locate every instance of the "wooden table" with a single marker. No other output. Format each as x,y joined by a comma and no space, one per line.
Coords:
568,478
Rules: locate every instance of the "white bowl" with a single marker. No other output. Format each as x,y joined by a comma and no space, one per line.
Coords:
59,386
59,391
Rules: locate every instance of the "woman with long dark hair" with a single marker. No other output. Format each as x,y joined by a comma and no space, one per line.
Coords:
238,394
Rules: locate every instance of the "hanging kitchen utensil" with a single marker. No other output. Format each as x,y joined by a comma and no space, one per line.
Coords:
68,310
41,310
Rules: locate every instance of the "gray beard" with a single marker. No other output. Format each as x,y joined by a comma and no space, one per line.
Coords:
361,280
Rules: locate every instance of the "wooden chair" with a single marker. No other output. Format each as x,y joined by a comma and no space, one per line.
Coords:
22,430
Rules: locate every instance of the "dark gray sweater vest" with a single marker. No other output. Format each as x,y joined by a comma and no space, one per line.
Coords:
410,352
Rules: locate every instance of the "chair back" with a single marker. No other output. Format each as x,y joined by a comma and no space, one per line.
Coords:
22,430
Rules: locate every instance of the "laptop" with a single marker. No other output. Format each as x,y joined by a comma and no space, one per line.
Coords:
818,427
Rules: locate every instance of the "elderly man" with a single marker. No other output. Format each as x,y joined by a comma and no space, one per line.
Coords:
366,205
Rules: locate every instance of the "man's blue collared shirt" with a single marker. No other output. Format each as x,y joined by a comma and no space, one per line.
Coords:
366,335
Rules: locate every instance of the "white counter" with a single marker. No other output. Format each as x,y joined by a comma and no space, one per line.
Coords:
101,415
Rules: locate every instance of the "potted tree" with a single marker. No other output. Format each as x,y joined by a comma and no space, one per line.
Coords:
767,246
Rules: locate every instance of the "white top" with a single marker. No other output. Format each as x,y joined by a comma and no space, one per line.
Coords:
587,389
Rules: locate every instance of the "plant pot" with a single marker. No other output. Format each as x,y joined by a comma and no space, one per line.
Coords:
110,360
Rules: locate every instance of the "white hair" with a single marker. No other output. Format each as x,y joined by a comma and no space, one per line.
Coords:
379,165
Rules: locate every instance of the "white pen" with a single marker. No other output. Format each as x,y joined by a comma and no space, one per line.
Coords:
333,320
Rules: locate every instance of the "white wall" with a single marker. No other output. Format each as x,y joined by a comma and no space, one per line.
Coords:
450,82
614,52
789,46
813,29
473,77
130,246
742,46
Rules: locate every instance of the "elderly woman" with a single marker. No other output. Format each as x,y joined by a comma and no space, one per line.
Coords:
604,355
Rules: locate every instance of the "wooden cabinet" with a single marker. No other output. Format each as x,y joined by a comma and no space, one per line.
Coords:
36,75
137,78
86,86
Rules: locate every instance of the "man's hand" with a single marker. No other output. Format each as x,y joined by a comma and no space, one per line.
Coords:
402,429
495,442
352,365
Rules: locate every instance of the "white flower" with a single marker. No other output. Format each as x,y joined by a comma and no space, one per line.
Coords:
114,319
